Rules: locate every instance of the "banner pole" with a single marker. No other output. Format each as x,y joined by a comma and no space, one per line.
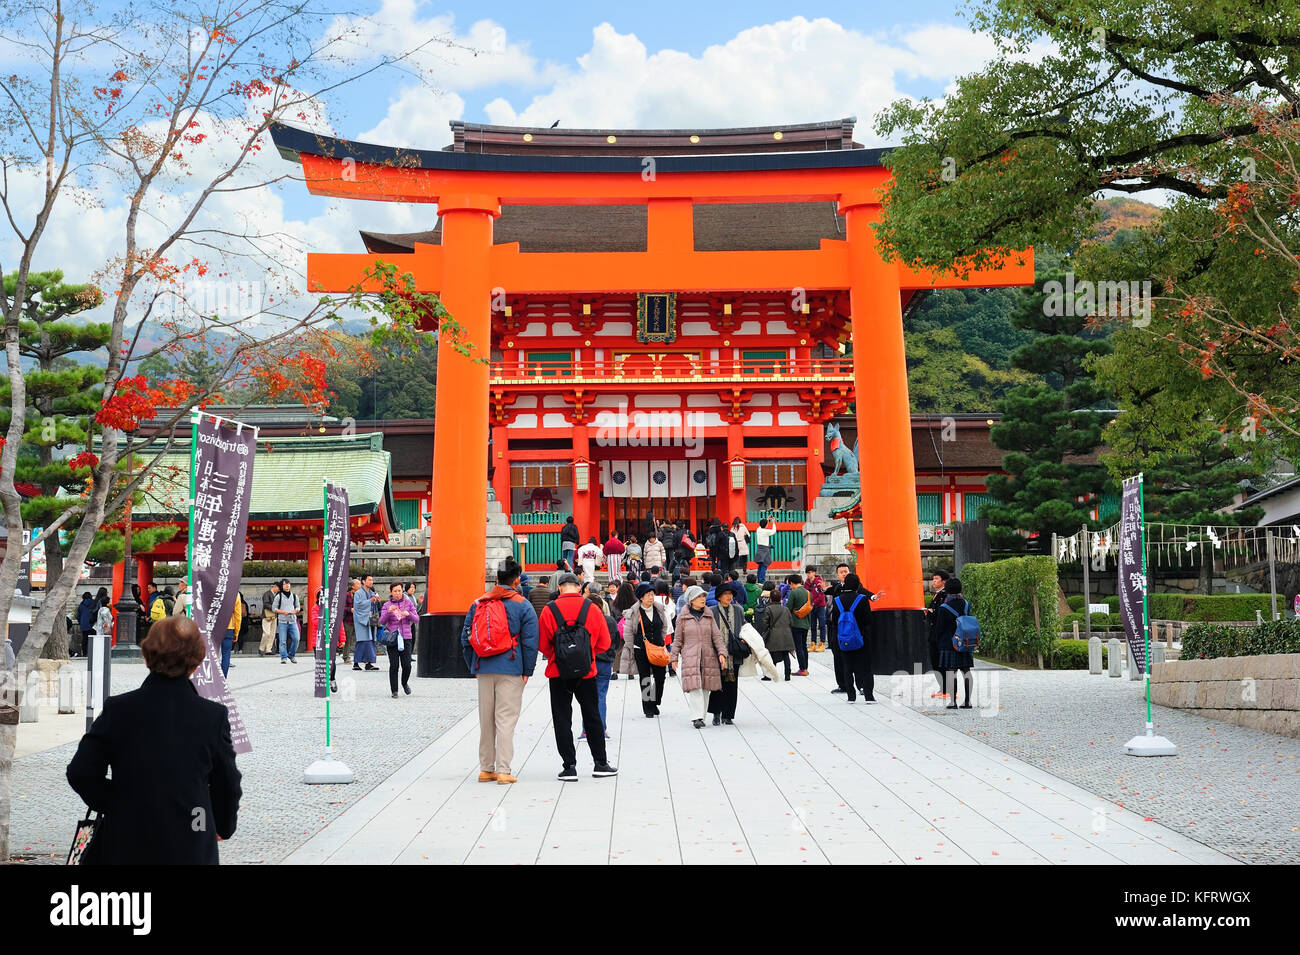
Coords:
1148,744
195,415
325,610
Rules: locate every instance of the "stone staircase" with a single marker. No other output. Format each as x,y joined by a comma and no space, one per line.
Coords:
500,536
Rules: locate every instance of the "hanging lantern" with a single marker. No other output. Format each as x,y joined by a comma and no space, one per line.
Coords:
738,474
582,475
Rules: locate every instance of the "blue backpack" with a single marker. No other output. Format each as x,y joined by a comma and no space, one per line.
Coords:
967,635
846,627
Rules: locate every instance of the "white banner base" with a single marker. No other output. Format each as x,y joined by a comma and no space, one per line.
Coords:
327,770
1150,745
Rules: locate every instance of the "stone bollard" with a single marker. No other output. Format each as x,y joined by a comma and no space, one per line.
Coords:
1157,653
1113,657
1094,655
68,686
1133,672
30,711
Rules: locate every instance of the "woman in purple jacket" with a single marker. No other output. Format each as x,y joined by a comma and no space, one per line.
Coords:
397,618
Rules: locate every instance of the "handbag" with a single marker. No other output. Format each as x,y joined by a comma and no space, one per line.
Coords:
81,838
656,655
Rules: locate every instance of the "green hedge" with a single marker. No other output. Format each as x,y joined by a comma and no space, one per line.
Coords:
1207,641
1215,607
1002,594
1076,602
1100,621
1073,655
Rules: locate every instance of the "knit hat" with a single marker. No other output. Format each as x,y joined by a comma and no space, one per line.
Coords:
642,590
692,593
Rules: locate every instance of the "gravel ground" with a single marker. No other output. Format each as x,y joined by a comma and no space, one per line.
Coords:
372,733
1231,788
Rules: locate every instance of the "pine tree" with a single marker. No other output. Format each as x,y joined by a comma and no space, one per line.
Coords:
62,397
1047,428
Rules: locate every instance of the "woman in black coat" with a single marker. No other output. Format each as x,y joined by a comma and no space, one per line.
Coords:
174,786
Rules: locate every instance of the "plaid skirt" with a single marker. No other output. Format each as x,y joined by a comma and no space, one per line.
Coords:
950,659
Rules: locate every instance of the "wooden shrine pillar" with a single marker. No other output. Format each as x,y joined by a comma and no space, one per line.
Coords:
815,477
501,467
143,574
891,555
734,497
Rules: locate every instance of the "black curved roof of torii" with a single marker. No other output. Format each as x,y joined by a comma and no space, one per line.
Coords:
292,142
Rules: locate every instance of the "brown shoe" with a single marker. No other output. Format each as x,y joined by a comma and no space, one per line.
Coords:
505,779
486,777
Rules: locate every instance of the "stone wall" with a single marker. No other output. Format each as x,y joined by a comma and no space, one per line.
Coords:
1260,692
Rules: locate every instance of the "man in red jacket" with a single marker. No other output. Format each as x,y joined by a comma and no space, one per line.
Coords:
574,609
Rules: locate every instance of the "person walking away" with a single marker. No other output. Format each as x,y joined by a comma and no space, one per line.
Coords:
614,550
741,533
653,554
816,588
541,595
228,641
170,758
268,620
698,645
842,678
633,557
763,547
605,659
664,598
499,643
772,620
730,619
398,618
182,603
753,589
572,632
853,634
286,609
569,541
950,658
589,557
938,586
86,612
241,632
644,623
799,603
364,620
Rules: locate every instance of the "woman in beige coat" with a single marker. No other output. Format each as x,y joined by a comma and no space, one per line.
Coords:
698,643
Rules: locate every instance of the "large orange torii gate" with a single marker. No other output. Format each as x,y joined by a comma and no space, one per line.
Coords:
470,189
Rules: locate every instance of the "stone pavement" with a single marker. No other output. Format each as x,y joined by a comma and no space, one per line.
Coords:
373,733
1231,788
802,777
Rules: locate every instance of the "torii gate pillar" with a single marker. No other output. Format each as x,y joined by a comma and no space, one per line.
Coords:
457,542
891,555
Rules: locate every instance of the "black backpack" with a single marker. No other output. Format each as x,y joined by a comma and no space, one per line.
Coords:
572,643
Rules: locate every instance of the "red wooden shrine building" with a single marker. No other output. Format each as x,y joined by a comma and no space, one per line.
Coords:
626,283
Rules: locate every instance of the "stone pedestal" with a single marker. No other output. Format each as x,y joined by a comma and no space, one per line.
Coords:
1094,656
500,536
825,539
437,646
1113,658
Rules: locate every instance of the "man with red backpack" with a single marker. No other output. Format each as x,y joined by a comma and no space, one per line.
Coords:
572,632
499,642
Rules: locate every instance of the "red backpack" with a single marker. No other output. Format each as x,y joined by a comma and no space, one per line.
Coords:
490,635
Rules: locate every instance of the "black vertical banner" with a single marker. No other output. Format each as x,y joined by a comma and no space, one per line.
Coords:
223,487
1132,571
338,551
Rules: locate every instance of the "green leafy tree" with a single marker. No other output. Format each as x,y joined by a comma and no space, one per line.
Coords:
943,378
1049,428
62,397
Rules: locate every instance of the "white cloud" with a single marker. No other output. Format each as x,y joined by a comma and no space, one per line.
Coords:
481,56
797,70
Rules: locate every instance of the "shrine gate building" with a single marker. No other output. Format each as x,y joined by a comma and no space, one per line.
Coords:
665,322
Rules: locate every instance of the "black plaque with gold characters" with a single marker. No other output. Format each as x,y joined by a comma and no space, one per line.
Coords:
656,317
